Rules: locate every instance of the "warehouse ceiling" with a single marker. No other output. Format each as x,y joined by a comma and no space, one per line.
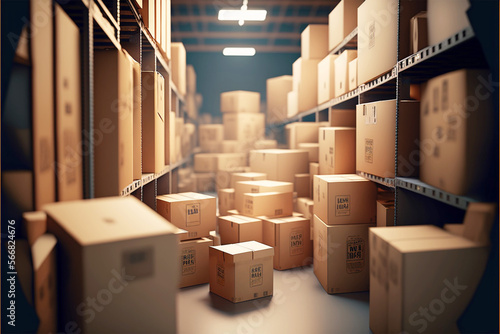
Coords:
195,23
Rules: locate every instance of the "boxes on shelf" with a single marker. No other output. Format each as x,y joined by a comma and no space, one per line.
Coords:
326,79
418,32
305,83
302,185
312,149
259,186
170,135
193,212
178,66
345,199
342,117
342,71
292,103
240,101
276,95
337,147
193,261
243,271
385,213
279,165
341,21
341,258
376,133
249,176
302,132
210,137
269,204
118,240
137,116
244,127
204,182
236,228
444,20
314,41
353,74
225,199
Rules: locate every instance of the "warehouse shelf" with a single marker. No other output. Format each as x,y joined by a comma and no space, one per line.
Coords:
107,32
146,178
350,42
108,15
132,187
384,181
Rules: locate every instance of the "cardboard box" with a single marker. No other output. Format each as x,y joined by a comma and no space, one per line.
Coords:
259,186
455,133
190,79
121,249
277,90
385,213
69,173
148,15
312,149
342,71
225,199
34,225
353,74
444,20
345,199
193,261
314,41
265,144
291,241
313,170
158,22
302,185
240,101
305,83
305,206
341,21
249,176
178,66
269,204
292,103
205,182
210,137
223,177
114,156
137,116
192,212
341,256
375,138
244,127
241,272
230,146
302,132
279,165
234,229
337,147
212,162
170,134
326,79
215,237
418,32
342,117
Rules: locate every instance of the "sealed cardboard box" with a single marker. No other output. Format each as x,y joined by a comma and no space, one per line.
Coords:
302,132
305,82
259,186
292,103
456,130
337,147
342,117
215,237
192,212
269,204
210,137
342,71
240,272
444,20
225,199
240,101
236,228
314,41
385,213
113,157
313,170
312,149
186,186
193,261
279,165
34,225
305,206
137,115
277,96
121,249
166,28
375,138
326,79
345,199
418,32
291,241
353,74
341,256
204,182
301,185
249,176
341,21
244,127
178,66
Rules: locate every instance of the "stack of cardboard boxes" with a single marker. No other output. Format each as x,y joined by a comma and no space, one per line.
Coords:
156,15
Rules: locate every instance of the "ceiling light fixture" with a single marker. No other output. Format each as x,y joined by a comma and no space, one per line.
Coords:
243,14
238,51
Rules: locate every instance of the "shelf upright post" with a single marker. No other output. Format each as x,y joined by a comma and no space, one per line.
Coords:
88,101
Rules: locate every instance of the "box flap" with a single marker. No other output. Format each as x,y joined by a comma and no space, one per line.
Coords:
233,253
42,248
258,249
434,244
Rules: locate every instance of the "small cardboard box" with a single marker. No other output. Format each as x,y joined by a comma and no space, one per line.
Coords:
341,21
337,147
385,213
236,228
210,137
341,256
292,103
193,261
302,132
178,66
193,212
342,71
305,206
115,248
305,83
279,165
291,241
225,199
301,185
215,237
312,149
375,138
353,74
241,272
277,90
444,20
342,117
259,186
345,199
314,41
248,176
418,32
326,79
240,101
244,127
269,204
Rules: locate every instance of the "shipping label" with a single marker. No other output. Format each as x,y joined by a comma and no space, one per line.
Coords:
296,241
369,150
435,99
139,262
370,115
71,158
248,205
188,260
444,96
193,214
371,34
342,205
355,254
278,212
220,274
256,275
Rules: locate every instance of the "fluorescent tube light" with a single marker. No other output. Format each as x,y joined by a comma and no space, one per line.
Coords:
242,15
238,51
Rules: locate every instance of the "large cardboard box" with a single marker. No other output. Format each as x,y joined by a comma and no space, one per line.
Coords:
192,212
418,32
137,116
277,90
337,147
259,186
115,249
291,241
342,117
113,103
148,15
240,272
326,79
210,137
167,28
341,256
248,176
375,138
341,21
302,132
240,101
342,71
153,127
279,165
178,66
269,204
236,228
312,149
225,200
444,20
244,127
456,130
301,185
385,213
292,103
305,83
353,74
314,41
69,167
345,199
193,261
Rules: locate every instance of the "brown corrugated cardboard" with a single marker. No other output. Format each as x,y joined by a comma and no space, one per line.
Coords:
314,41
277,96
455,108
305,206
478,221
292,103
193,261
341,257
69,172
240,101
265,144
341,21
169,130
236,228
244,127
302,185
342,117
291,241
337,147
302,132
215,237
279,165
312,149
313,170
305,83
353,74
115,248
375,138
192,212
190,79
223,177
385,213
269,204
240,272
326,79
210,137
205,182
34,225
230,146
225,199
345,199
178,66
249,176
259,186
342,71
137,115
212,162
418,32
445,20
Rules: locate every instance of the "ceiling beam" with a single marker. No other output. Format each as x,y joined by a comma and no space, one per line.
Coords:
256,3
293,19
258,48
235,34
